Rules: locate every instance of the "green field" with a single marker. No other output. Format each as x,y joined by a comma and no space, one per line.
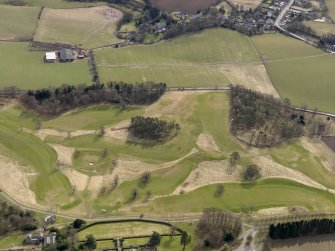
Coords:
18,23
300,72
331,8
25,69
85,27
58,4
260,195
12,241
321,28
189,60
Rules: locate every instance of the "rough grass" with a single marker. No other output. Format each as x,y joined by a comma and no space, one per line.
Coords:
295,156
189,60
25,69
260,195
57,4
18,23
92,118
321,28
86,27
331,8
300,72
123,229
28,150
189,6
12,241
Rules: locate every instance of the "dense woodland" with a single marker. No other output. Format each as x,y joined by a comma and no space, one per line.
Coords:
301,228
152,128
262,120
13,219
54,101
217,227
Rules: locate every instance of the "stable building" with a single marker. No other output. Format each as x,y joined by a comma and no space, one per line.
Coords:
50,57
65,55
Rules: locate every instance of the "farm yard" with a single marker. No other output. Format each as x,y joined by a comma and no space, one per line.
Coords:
300,72
198,155
84,27
18,23
190,6
26,69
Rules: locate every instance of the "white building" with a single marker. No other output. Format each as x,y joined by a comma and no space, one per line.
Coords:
50,57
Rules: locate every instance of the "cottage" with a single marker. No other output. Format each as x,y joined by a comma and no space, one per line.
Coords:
50,219
65,55
50,57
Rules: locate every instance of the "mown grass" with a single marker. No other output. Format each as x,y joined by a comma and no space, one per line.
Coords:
92,118
124,229
24,69
189,60
32,152
300,72
263,194
295,156
18,22
12,241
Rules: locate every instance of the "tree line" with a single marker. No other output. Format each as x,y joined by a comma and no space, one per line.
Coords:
217,228
54,101
152,128
301,228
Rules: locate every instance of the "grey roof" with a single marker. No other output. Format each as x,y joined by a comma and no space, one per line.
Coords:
65,54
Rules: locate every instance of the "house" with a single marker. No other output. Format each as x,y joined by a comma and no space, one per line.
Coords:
65,55
50,219
41,239
49,238
50,57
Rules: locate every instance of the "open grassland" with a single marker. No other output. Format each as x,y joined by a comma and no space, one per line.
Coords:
331,8
18,22
201,148
189,6
58,4
12,241
248,4
286,193
214,57
321,28
85,27
300,72
112,230
24,69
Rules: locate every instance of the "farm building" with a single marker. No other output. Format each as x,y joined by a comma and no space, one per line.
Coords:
65,55
41,239
50,57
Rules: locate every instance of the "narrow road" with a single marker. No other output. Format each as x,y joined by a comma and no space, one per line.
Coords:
279,19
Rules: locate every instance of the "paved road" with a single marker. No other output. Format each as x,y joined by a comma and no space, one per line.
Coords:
286,32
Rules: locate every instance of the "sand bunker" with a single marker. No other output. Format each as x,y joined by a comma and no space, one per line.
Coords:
64,154
15,182
206,142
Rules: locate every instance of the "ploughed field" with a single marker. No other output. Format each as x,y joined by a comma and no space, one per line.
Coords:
190,6
64,164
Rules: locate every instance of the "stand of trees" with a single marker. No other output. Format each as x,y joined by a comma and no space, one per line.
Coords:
262,120
301,228
13,219
152,128
55,101
217,227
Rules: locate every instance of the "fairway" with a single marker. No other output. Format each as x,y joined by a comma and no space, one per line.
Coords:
198,59
300,72
24,69
18,22
259,195
84,27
